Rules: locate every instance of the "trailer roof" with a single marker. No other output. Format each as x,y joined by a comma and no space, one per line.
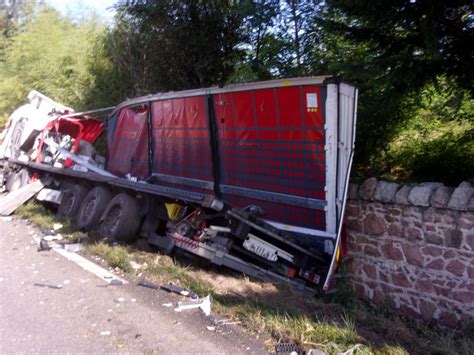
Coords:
313,80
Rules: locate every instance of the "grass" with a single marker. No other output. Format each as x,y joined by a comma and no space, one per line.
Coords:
332,325
115,256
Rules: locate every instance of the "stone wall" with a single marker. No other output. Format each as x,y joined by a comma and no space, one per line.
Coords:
413,245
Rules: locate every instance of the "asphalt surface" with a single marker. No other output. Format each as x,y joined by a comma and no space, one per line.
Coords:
87,316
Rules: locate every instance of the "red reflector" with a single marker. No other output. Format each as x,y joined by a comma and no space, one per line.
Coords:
291,273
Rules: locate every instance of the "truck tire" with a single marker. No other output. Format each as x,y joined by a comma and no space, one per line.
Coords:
92,207
121,218
71,201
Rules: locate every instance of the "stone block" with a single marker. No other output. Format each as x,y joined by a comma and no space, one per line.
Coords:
465,297
386,191
370,250
413,254
433,238
370,271
461,196
394,230
427,309
352,192
453,239
420,195
413,234
401,197
400,279
431,251
470,241
391,252
367,189
424,285
436,264
456,267
470,207
374,224
441,196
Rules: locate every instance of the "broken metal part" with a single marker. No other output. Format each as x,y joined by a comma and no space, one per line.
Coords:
179,291
203,303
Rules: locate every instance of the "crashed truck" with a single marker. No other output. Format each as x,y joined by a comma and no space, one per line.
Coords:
251,176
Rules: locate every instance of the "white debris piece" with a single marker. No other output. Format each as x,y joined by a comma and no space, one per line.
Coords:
57,226
107,332
50,238
203,303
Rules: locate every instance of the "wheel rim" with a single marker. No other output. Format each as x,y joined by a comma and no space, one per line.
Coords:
68,204
89,210
112,219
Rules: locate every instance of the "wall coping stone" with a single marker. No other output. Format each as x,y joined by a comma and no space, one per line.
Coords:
426,194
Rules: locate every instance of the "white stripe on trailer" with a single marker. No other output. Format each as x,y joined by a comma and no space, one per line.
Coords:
301,230
331,157
351,116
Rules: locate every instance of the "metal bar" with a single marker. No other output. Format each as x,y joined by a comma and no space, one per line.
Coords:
184,181
77,159
273,235
87,112
291,200
318,80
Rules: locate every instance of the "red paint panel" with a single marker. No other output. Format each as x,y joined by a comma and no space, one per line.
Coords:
266,108
181,138
129,152
289,103
281,151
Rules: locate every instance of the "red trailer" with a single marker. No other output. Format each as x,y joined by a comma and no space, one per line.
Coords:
250,176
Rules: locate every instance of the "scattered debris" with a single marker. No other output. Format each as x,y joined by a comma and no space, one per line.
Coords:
57,226
315,352
148,284
16,198
287,348
350,351
169,304
6,219
180,291
43,245
120,299
211,328
50,238
72,247
107,332
135,265
133,300
66,282
57,287
202,303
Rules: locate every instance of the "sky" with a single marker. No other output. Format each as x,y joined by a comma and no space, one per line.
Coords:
74,8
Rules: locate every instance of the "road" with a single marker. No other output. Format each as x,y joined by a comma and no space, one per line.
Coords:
86,315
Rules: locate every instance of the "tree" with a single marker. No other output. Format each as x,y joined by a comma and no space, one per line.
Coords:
50,54
392,50
171,45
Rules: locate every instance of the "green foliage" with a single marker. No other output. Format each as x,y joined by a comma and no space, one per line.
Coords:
52,55
171,45
115,256
392,50
437,142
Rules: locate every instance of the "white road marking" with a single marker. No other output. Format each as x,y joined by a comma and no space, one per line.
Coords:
86,264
